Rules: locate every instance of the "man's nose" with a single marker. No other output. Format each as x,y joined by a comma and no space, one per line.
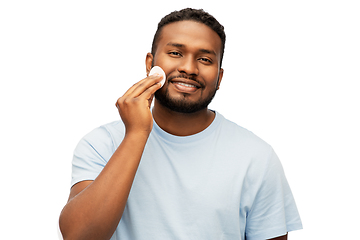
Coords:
189,65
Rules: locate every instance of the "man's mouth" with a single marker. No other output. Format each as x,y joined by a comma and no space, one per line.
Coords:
185,80
186,85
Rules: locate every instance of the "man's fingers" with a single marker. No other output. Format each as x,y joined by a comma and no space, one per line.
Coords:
141,86
149,93
144,89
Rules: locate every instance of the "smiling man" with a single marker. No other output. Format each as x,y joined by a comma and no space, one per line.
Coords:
178,170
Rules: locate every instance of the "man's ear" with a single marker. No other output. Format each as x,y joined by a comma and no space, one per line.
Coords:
220,78
148,63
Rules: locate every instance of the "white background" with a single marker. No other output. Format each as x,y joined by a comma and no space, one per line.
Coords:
291,76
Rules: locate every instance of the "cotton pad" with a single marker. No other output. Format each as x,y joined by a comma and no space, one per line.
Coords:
158,70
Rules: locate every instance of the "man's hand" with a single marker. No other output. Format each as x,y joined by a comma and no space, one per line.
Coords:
134,105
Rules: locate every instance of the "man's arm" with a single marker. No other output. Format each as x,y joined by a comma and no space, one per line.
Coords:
277,238
95,207
280,238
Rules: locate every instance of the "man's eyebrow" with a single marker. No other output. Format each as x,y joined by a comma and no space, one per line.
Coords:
207,51
179,45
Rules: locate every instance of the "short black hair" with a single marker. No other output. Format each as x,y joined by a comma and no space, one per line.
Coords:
197,15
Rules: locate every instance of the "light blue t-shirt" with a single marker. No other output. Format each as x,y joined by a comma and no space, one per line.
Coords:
221,183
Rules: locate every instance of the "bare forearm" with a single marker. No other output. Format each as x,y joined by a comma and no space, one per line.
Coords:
95,212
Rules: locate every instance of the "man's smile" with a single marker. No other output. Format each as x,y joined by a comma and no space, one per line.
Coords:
183,87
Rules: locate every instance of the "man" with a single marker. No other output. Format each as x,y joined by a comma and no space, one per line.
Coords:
178,170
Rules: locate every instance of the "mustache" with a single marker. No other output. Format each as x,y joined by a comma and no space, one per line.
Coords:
185,76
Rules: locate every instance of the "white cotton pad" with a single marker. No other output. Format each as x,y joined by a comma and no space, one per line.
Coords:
159,71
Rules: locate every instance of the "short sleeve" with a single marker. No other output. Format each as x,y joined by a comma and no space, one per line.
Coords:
91,155
274,212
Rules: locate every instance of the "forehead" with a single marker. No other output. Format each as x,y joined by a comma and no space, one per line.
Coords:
191,34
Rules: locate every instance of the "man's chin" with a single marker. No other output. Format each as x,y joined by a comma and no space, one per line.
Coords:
183,105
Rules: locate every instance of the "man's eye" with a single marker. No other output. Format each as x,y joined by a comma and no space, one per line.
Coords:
175,53
206,60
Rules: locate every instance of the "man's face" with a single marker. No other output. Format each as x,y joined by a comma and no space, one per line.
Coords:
189,53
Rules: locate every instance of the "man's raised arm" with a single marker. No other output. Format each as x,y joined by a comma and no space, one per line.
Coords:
94,208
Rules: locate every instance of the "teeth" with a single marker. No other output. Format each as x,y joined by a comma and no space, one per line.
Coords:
186,85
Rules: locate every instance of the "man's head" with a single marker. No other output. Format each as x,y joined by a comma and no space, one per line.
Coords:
193,15
188,46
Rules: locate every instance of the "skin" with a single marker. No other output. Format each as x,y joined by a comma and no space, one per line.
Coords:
281,238
185,48
192,49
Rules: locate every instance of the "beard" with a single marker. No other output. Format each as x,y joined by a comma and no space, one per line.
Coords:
183,105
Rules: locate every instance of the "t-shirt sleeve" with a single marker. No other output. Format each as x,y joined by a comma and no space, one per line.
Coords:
91,155
274,212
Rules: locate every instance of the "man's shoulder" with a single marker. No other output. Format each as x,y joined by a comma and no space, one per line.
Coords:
240,133
115,127
106,133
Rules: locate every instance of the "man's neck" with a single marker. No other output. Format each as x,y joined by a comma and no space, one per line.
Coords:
182,124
